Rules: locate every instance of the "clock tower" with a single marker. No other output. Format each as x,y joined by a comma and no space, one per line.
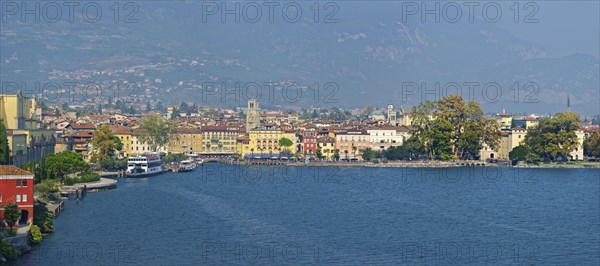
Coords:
252,115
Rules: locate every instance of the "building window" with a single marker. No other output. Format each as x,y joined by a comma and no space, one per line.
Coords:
18,198
24,182
24,198
18,182
0,197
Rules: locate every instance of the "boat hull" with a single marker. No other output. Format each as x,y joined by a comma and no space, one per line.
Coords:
142,175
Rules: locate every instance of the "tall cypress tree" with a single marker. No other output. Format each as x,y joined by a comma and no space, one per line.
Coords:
4,151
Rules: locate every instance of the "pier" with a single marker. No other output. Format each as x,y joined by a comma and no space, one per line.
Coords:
102,184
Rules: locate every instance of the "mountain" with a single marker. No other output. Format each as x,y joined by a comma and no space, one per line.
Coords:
370,52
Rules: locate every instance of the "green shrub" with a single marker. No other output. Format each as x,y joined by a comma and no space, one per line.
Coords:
84,178
42,218
7,251
113,164
35,235
48,226
46,187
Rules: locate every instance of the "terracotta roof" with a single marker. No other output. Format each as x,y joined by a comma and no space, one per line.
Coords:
221,128
119,130
12,170
189,131
85,133
83,126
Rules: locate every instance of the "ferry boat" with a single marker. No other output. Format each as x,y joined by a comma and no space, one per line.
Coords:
195,158
144,165
187,165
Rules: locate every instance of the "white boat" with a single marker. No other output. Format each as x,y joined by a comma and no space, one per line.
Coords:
144,165
187,165
194,157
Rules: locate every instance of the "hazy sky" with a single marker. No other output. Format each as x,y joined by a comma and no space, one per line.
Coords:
564,27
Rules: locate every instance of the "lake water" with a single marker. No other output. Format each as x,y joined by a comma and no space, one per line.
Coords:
226,214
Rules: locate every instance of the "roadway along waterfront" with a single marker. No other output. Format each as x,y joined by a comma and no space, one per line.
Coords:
236,214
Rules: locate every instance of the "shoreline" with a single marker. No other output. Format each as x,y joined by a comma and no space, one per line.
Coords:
430,164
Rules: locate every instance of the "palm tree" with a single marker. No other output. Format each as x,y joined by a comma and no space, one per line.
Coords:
354,148
346,152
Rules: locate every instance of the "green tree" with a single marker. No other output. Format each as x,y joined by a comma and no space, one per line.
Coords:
591,145
4,150
319,153
155,131
554,137
336,155
11,214
285,143
397,153
7,251
439,138
42,218
519,153
368,154
175,113
65,162
113,164
104,144
118,143
40,171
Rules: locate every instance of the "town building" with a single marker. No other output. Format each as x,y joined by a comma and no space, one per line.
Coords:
350,143
383,137
20,116
309,142
327,147
264,142
16,186
186,140
218,141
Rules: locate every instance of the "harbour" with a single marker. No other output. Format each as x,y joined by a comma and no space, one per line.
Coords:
348,216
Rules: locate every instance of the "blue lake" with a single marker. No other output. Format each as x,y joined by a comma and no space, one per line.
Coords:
225,214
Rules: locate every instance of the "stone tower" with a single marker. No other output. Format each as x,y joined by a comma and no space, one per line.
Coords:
252,115
391,114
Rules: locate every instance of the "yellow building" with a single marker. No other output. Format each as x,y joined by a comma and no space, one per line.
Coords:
186,140
508,141
132,145
505,120
124,134
138,147
327,146
18,111
18,114
219,140
266,141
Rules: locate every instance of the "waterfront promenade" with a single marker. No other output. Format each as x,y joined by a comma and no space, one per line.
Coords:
102,184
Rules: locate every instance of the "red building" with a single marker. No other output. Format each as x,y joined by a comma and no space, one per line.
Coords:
309,142
16,186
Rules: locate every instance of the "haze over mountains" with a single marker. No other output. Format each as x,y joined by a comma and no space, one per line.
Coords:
370,53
